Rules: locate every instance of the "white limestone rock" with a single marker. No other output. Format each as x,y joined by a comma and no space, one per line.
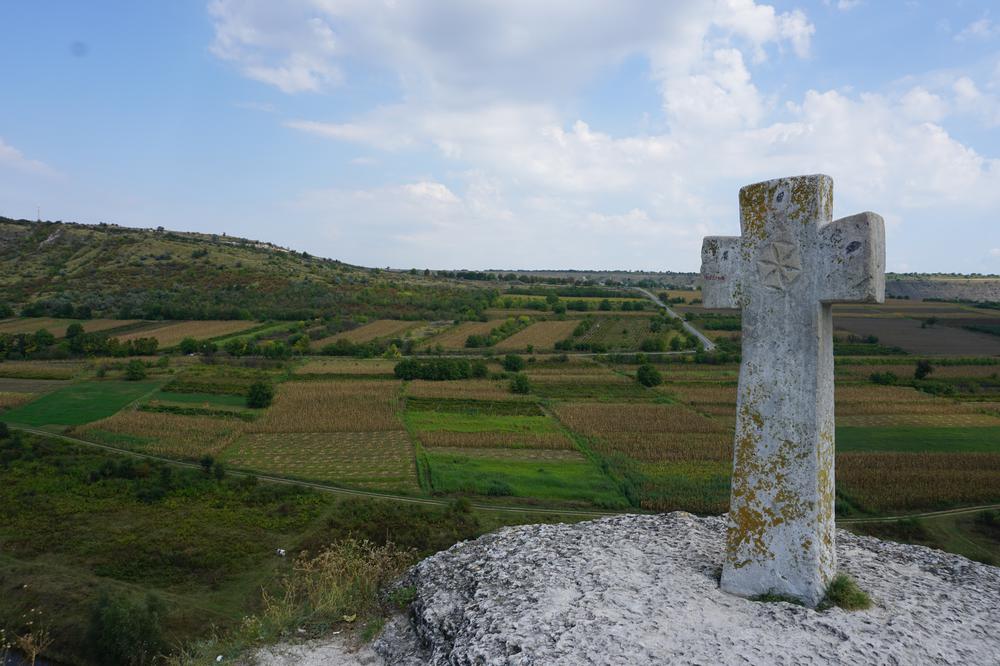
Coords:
644,590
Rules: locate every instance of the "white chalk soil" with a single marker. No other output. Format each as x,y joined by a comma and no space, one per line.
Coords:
644,590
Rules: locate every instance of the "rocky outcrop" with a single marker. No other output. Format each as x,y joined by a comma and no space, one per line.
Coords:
644,590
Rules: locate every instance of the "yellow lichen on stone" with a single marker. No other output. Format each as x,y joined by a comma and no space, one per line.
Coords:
754,208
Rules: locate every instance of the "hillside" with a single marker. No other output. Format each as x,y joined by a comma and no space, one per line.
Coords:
65,269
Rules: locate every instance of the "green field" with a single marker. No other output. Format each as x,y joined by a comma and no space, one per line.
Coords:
563,481
81,403
916,440
459,422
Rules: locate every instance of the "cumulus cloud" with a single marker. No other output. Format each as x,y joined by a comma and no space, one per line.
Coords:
982,29
485,87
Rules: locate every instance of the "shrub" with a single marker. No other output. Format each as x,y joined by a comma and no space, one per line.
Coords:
885,378
123,631
513,363
520,384
260,394
923,369
647,375
4,430
479,369
845,593
135,370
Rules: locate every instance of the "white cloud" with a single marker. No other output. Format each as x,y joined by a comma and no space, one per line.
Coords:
13,158
995,252
984,28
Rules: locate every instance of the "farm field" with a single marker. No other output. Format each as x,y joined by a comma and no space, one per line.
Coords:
915,339
42,369
541,336
345,366
57,327
381,328
80,403
169,334
454,338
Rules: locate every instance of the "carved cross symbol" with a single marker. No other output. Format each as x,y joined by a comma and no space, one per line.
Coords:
790,264
779,264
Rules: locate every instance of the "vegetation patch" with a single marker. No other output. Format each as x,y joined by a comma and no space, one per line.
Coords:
475,407
843,592
469,423
175,435
311,407
172,333
496,440
916,439
80,403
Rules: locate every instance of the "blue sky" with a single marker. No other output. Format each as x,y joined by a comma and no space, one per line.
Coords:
504,134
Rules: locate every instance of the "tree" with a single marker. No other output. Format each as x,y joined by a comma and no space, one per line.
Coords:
513,363
260,395
923,369
647,375
189,346
520,384
207,462
74,330
135,370
123,631
4,430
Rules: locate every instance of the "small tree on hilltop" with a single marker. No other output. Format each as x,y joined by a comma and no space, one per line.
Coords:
647,375
260,395
923,369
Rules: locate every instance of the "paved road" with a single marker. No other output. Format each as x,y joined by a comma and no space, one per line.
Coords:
708,344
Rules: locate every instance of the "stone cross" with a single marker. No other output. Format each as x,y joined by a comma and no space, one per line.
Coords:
790,264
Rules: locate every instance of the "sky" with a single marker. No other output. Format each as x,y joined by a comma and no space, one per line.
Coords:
513,134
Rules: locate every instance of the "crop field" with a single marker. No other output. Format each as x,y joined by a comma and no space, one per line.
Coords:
174,435
541,335
667,447
57,327
9,385
915,339
9,399
346,366
171,333
479,423
526,455
381,460
597,419
321,406
42,369
622,332
495,440
380,328
80,403
455,337
477,389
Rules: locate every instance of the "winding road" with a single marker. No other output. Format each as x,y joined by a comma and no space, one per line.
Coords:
708,344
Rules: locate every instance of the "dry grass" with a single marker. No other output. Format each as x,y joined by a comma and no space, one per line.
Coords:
57,327
596,419
910,481
346,366
542,335
496,440
353,406
8,400
454,338
171,333
167,434
667,447
41,369
472,389
380,328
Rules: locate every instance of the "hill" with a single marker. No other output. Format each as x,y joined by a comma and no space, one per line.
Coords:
65,269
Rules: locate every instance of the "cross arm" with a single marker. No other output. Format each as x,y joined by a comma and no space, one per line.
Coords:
720,272
852,251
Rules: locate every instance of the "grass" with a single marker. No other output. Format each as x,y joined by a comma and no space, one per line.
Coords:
919,440
171,333
80,403
963,534
843,592
458,422
200,398
576,482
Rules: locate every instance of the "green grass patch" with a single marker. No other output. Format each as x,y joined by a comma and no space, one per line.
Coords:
843,592
81,403
201,398
457,422
475,407
698,487
578,482
918,440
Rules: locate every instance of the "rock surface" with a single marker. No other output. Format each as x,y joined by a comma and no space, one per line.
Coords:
644,590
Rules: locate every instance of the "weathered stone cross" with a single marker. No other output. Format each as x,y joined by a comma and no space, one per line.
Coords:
785,271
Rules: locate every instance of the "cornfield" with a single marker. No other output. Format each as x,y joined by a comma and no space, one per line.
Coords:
666,447
911,481
473,389
634,418
355,406
380,328
346,366
169,434
8,400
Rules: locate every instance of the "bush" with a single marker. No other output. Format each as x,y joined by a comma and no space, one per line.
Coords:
260,395
4,430
923,369
513,363
123,631
135,370
647,375
885,378
435,369
520,384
